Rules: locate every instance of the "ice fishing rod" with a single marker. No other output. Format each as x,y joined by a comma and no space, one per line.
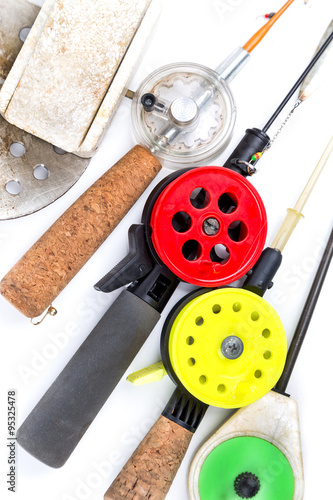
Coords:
224,196
264,433
186,116
224,348
185,113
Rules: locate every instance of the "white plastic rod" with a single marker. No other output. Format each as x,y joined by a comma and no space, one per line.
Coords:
294,214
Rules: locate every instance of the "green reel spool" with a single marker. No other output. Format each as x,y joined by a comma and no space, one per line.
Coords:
246,467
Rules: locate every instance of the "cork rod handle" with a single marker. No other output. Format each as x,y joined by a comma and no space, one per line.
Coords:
51,263
150,471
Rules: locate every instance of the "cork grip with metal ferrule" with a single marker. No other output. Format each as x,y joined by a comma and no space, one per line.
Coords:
50,264
154,464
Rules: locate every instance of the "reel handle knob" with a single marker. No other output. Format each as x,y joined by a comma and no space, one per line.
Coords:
148,101
161,452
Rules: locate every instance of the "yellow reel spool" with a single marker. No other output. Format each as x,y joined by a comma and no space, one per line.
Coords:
196,354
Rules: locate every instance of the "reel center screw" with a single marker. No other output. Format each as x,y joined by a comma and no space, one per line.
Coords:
232,347
184,110
211,226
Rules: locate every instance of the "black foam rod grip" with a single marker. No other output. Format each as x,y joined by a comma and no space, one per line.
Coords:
57,423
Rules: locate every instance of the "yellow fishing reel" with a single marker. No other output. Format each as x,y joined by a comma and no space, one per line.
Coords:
226,347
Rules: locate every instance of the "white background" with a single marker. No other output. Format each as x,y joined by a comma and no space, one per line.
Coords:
203,32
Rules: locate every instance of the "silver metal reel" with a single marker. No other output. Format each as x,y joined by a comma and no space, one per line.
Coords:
184,113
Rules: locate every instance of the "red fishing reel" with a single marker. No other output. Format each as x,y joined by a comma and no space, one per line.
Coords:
208,226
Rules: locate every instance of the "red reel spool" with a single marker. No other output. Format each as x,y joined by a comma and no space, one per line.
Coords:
209,226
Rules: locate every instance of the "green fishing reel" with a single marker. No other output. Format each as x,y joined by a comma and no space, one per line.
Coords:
244,467
255,454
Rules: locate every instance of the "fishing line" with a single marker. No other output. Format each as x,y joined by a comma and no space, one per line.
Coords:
297,84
